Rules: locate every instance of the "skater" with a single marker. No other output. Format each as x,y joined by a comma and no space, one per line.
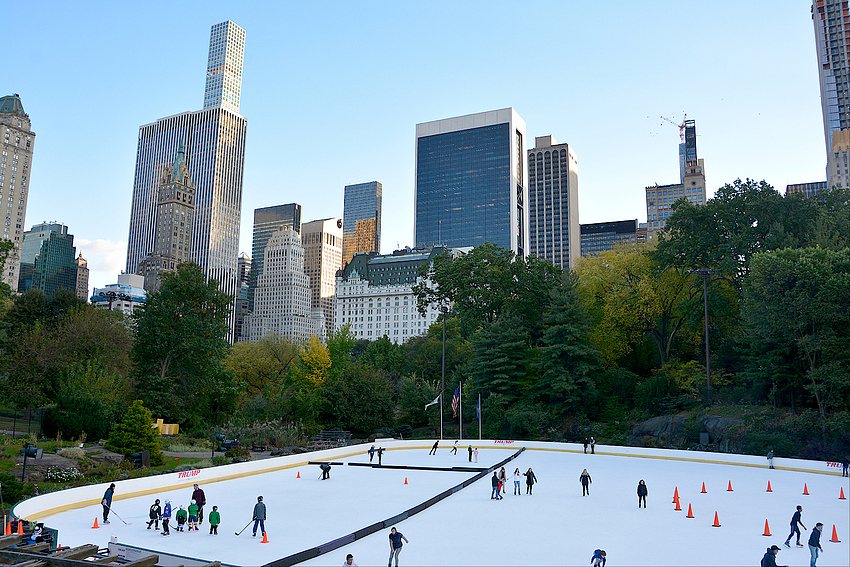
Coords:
259,515
641,490
155,514
770,458
200,499
592,445
470,453
585,445
107,502
215,520
395,545
371,452
349,561
433,450
326,471
494,481
598,559
530,479
503,479
845,465
476,454
454,449
814,543
585,483
181,516
795,528
517,479
166,516
193,516
769,559
380,454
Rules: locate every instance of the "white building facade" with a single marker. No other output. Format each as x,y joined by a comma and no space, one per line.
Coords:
323,244
124,296
283,299
374,295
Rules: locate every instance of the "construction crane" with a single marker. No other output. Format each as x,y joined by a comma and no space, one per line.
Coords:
681,126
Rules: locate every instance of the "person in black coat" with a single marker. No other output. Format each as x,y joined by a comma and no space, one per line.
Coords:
155,514
495,482
769,559
585,483
530,479
641,491
814,543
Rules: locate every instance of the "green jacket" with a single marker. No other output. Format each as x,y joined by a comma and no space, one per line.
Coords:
181,516
193,510
214,518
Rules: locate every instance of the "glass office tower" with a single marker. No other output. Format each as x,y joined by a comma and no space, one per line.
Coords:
470,183
361,219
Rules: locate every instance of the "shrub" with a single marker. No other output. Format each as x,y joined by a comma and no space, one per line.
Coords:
57,474
72,453
275,433
12,489
135,434
74,416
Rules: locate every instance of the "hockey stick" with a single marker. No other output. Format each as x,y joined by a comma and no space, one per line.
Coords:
243,529
120,518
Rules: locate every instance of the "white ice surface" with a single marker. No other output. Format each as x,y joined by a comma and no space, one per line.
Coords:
555,526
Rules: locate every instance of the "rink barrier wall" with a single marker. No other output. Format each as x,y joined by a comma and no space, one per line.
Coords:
296,558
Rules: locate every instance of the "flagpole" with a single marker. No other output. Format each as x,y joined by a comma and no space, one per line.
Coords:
460,407
441,415
479,417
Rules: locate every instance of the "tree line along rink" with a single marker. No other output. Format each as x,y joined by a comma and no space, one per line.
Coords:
554,526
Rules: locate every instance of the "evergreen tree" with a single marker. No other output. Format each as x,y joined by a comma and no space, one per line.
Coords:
135,434
501,354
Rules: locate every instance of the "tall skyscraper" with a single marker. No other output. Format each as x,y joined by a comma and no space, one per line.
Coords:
691,186
48,260
553,227
361,219
267,221
243,264
82,277
214,139
282,304
831,19
15,167
470,182
175,208
224,67
323,241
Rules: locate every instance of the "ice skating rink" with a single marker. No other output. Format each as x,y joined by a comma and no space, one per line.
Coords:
554,526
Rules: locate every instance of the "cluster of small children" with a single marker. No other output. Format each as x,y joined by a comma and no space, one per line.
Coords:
194,515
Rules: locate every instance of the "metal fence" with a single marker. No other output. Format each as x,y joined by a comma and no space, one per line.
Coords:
22,422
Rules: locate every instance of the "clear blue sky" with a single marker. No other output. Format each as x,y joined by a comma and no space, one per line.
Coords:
333,90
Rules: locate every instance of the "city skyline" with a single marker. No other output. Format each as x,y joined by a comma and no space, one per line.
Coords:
367,93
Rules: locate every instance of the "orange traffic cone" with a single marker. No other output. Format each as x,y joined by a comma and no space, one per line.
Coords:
676,494
405,480
690,512
768,487
298,475
834,535
805,489
730,487
678,508
703,489
265,538
842,494
95,526
766,529
20,527
716,523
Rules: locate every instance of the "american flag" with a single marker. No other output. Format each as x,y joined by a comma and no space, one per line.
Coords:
455,401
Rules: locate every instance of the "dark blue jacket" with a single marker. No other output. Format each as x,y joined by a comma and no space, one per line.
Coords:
814,539
494,481
769,559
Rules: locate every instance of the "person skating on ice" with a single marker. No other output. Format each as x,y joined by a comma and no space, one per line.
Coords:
494,481
200,499
166,517
107,502
371,452
769,559
470,453
814,543
395,545
599,558
592,445
530,479
155,514
585,445
796,522
433,450
454,449
517,481
349,561
193,516
215,520
642,492
475,452
259,516
770,458
181,516
380,454
585,483
503,479
326,471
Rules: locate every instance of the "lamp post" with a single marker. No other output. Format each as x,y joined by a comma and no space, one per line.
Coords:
445,311
704,273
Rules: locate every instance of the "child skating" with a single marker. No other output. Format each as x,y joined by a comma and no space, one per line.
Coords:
215,520
155,514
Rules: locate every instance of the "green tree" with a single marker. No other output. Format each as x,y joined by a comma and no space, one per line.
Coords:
135,434
340,344
259,368
568,360
360,400
799,300
180,348
501,359
414,394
